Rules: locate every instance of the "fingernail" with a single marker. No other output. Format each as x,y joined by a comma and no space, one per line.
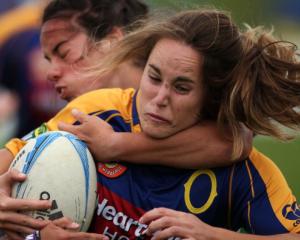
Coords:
75,111
74,225
145,231
22,175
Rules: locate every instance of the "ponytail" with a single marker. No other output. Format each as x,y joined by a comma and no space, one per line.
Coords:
264,88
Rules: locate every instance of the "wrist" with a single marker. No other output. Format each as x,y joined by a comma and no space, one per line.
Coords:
118,144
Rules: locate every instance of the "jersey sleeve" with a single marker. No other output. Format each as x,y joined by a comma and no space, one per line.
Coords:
91,103
264,200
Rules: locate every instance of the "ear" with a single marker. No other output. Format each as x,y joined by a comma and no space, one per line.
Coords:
111,39
116,34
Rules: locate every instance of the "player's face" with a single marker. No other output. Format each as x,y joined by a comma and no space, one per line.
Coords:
171,92
68,50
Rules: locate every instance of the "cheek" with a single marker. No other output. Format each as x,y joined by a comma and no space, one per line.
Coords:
187,111
147,91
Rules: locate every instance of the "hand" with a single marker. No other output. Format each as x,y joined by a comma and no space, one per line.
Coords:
66,223
64,229
165,223
12,222
98,135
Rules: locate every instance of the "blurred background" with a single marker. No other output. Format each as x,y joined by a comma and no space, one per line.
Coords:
21,65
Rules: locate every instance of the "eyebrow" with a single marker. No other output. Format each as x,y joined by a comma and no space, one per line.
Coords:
179,78
184,79
156,69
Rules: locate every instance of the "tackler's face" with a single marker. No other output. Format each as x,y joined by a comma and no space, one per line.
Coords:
69,51
171,92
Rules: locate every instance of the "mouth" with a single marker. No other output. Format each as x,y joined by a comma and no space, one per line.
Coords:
60,91
157,119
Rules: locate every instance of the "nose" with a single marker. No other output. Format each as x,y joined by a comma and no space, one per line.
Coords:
54,72
162,97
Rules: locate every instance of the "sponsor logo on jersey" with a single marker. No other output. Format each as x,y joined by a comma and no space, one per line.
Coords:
292,212
188,186
120,219
111,170
130,228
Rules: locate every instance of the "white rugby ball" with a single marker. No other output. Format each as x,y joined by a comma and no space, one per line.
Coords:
59,167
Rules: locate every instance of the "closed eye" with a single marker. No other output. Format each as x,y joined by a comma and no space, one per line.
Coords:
155,79
182,89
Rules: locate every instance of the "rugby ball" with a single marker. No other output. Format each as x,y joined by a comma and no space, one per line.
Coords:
59,167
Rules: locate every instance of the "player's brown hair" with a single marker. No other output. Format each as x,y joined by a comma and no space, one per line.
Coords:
249,77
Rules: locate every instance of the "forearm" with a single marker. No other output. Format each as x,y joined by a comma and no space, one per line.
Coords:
201,146
224,234
6,157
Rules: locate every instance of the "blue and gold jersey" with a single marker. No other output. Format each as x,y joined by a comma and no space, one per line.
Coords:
251,194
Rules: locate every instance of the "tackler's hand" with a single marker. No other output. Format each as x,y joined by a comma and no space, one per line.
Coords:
96,133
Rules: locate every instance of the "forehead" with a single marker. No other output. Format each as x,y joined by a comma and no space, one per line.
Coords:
57,29
177,55
59,24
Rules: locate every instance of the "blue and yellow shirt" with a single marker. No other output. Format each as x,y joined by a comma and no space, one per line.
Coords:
251,194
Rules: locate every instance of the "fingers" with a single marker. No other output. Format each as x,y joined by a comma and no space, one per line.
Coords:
10,177
160,224
51,231
74,129
14,175
164,223
17,229
13,236
67,127
157,213
83,118
8,203
8,219
170,232
79,116
87,236
66,223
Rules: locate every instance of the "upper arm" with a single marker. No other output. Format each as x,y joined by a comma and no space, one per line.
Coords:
6,157
266,202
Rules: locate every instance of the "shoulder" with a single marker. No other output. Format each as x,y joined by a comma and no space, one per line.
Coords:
266,168
105,98
266,195
96,102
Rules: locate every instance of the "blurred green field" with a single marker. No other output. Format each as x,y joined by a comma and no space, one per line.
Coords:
286,156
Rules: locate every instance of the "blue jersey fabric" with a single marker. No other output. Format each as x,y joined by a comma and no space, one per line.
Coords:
251,194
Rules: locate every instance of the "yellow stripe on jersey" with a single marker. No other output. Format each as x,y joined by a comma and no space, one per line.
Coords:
92,103
251,179
96,101
19,19
280,195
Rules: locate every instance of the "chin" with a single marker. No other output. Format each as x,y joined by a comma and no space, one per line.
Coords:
157,133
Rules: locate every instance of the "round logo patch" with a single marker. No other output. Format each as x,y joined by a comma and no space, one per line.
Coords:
111,170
